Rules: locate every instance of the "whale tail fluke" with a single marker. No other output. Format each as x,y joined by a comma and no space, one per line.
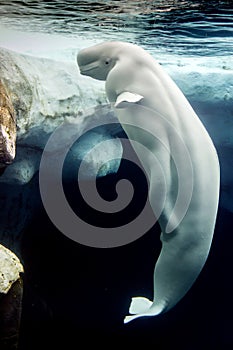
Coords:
139,307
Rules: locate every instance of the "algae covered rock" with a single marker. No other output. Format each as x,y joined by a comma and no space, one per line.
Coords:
7,128
10,269
41,95
11,292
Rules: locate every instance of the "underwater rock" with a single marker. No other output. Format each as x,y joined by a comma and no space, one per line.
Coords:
46,94
43,94
7,128
10,269
11,292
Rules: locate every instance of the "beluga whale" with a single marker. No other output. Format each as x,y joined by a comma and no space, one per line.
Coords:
156,116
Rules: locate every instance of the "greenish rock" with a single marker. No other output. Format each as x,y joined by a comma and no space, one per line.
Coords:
11,292
7,128
10,269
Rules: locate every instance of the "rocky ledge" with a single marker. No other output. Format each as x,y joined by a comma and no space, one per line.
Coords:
11,292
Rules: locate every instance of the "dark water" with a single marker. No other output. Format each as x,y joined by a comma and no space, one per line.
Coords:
76,296
186,27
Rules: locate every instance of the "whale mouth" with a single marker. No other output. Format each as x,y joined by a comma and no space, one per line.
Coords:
87,68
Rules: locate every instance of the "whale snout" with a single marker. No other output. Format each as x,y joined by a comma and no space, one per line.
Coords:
85,60
86,64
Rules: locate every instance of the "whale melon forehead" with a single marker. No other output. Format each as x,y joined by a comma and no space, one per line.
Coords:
86,56
115,50
110,49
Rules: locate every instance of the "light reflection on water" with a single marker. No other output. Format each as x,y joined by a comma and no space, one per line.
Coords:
196,27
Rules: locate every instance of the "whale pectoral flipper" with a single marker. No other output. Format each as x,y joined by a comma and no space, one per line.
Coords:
127,97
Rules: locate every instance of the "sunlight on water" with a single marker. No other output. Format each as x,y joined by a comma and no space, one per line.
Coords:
180,27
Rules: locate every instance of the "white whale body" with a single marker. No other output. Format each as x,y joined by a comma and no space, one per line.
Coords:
147,101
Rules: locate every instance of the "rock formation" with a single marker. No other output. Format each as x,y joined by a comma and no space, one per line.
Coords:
11,292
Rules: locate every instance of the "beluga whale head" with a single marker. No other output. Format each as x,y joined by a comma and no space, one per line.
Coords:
99,61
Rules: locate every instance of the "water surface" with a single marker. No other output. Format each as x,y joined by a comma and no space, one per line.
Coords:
197,28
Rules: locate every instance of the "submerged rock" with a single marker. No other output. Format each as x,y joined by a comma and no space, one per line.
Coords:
11,292
10,269
43,95
46,94
7,128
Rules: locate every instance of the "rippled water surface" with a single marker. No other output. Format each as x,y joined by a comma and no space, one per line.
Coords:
185,27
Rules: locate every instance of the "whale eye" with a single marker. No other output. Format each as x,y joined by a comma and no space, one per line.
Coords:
107,61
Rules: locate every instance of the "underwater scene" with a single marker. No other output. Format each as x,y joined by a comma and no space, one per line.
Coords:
116,174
